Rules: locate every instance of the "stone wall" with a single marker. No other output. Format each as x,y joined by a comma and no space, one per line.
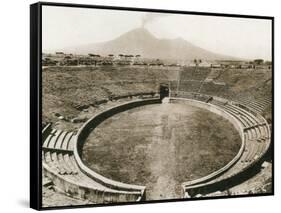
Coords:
89,126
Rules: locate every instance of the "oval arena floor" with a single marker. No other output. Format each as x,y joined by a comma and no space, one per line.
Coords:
161,146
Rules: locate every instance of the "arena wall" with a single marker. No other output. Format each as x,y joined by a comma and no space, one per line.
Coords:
208,183
199,185
237,125
85,193
89,126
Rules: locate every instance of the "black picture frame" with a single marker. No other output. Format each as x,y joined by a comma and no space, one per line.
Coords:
36,101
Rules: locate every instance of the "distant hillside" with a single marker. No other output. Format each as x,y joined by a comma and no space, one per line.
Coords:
141,41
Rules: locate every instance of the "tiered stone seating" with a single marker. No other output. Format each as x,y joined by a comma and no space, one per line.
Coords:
191,79
182,94
261,147
250,150
254,131
190,95
189,86
211,88
246,118
66,144
258,105
216,101
49,137
67,169
236,114
256,142
195,73
215,73
252,119
54,139
61,164
59,140
61,167
252,105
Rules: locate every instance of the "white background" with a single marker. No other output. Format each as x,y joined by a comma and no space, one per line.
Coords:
14,105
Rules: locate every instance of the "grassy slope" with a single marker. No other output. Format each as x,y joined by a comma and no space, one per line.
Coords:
67,88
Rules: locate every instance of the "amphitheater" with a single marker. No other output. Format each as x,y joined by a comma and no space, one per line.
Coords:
204,88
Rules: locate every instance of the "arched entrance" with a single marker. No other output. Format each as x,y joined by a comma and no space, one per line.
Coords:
164,91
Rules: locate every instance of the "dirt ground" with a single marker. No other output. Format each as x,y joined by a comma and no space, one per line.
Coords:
161,146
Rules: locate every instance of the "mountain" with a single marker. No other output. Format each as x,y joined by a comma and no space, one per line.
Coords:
141,41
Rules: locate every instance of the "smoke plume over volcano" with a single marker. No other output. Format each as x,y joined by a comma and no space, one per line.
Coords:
150,17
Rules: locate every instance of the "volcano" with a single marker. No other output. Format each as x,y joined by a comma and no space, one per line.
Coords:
141,41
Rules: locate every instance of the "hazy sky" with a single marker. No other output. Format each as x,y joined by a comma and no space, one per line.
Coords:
239,37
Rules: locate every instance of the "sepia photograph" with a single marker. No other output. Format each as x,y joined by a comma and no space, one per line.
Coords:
142,105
